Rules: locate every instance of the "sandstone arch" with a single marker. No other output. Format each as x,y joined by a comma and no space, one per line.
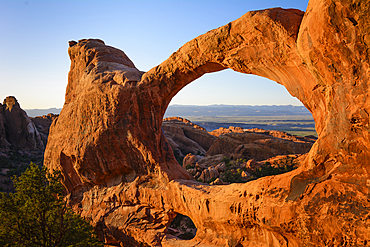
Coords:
120,172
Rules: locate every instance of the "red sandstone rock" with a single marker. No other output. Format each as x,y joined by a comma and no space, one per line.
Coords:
218,181
257,145
183,120
99,123
222,131
221,167
189,160
209,173
119,169
186,137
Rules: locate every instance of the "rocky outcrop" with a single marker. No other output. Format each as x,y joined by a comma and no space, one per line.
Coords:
209,173
100,123
3,141
259,144
43,123
186,137
16,128
120,171
190,160
183,120
223,131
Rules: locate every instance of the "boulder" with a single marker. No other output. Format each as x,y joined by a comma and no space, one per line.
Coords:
213,172
209,173
207,161
205,176
245,175
193,171
200,166
218,181
250,164
221,167
189,160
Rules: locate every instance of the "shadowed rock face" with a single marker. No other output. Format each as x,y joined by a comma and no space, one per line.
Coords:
16,128
120,171
43,123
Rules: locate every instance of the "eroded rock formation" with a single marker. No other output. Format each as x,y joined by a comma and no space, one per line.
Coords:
120,171
16,128
43,123
258,144
186,137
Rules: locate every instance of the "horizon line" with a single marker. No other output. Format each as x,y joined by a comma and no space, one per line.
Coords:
183,105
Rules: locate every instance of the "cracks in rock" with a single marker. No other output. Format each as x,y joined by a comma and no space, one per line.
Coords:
354,22
207,205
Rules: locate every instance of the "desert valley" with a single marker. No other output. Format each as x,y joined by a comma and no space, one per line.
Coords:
142,178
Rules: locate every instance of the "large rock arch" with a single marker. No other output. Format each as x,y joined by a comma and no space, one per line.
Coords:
120,172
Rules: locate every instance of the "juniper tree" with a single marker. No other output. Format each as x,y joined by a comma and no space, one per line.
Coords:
37,215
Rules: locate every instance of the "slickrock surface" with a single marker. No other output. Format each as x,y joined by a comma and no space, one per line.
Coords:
258,144
16,128
120,171
186,137
223,131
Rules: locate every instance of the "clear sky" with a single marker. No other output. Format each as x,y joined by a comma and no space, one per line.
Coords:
34,62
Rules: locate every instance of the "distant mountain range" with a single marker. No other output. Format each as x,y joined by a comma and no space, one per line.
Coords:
235,110
41,112
211,110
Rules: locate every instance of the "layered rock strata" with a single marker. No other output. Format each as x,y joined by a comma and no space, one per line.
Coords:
120,171
259,144
186,137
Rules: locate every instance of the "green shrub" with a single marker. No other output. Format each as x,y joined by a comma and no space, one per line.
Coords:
268,170
189,167
211,180
232,177
226,160
4,162
37,215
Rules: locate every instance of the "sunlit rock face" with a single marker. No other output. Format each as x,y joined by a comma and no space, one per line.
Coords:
120,171
185,137
16,128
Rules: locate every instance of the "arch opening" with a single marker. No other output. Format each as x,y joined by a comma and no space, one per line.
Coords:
245,100
231,87
222,144
182,227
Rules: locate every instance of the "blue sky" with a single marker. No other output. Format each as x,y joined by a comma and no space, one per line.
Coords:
34,62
